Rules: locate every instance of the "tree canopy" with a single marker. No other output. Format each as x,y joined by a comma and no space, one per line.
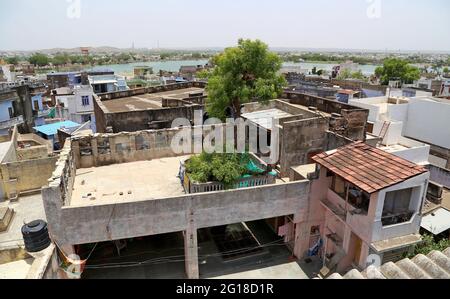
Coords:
348,74
394,69
39,59
12,60
242,74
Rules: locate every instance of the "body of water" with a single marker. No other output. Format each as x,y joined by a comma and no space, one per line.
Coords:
169,65
174,66
366,69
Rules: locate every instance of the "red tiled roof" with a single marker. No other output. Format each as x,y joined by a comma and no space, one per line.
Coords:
367,167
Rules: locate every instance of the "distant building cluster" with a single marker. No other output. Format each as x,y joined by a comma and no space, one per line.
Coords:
362,175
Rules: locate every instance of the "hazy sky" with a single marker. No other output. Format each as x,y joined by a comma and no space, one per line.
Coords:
356,24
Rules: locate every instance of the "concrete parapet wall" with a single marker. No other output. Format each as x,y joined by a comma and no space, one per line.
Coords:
439,175
300,140
103,222
153,89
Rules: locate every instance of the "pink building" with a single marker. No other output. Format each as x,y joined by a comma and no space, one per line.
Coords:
364,208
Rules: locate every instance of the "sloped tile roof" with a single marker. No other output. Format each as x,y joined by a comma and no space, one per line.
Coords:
367,167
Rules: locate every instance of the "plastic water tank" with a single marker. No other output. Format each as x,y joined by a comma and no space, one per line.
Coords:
35,235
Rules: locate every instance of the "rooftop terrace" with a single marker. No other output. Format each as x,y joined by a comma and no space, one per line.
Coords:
124,182
148,100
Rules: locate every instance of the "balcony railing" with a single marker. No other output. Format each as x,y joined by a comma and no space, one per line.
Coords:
254,181
11,122
396,218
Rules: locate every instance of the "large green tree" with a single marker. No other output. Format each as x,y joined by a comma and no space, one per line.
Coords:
398,70
242,74
12,60
39,59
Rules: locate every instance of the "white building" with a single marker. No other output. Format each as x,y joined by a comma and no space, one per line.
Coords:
108,83
425,119
76,104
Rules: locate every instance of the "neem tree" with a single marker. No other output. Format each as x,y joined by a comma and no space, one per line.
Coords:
243,74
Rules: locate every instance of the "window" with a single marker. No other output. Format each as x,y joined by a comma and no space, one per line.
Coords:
10,111
338,186
85,100
396,207
85,118
357,198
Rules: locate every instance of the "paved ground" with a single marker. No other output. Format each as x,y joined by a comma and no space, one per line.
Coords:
284,271
27,209
136,181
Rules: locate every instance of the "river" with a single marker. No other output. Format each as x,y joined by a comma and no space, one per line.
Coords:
174,66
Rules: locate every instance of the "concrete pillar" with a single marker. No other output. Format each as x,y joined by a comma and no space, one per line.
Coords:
448,163
191,253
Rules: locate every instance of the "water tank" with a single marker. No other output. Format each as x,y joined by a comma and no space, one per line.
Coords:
35,236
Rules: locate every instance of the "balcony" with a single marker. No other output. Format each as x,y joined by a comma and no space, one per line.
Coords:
397,218
11,122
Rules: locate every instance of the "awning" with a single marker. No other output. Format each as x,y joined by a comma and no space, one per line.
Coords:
437,222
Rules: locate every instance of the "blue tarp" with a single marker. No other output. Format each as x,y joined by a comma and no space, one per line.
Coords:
52,129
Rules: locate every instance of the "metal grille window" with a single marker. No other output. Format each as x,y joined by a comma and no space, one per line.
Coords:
85,100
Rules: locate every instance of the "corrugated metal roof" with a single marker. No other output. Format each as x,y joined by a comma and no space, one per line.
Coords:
52,129
367,167
437,222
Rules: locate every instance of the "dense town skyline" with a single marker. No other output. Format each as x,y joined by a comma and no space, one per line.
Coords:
163,24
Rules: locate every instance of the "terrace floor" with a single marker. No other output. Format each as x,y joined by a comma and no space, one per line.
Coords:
128,182
147,101
26,209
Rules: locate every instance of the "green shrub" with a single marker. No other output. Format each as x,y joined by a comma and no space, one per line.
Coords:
429,244
224,168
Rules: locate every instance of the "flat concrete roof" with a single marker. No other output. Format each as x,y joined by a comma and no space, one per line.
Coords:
147,101
437,222
27,209
141,180
264,118
304,170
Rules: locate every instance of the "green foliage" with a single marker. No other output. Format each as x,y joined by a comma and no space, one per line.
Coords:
61,59
124,57
167,55
12,60
428,244
204,74
397,69
224,168
246,73
39,59
445,70
347,74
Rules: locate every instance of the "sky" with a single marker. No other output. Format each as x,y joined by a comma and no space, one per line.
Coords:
345,24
